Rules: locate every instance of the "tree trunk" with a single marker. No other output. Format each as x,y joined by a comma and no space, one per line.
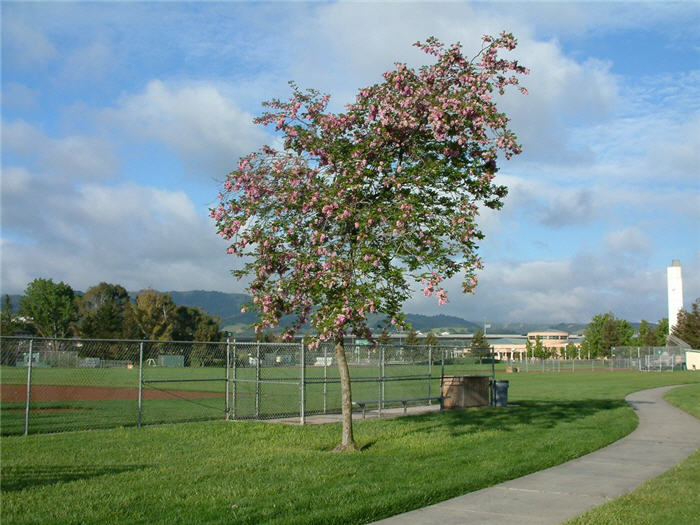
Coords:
348,442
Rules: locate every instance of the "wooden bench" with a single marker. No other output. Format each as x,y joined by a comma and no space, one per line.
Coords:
404,401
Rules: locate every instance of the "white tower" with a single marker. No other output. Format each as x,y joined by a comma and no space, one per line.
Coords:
675,293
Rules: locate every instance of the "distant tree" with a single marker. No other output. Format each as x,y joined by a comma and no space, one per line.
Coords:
688,326
541,351
479,339
529,348
411,350
101,311
267,337
431,340
384,338
479,346
645,336
194,324
571,351
152,317
49,307
411,338
8,326
661,332
604,332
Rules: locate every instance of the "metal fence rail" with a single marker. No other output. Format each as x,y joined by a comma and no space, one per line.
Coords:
55,385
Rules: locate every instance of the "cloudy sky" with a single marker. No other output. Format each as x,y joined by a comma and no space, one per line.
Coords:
119,120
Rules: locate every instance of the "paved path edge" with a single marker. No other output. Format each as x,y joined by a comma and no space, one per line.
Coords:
665,435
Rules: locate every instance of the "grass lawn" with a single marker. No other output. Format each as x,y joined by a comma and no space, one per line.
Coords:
218,472
668,499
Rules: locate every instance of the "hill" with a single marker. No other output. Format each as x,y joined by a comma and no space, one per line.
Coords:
227,306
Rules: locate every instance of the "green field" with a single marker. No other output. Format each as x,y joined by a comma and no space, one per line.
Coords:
279,396
218,472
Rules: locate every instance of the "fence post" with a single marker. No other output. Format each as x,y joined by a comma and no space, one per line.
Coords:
442,370
138,419
257,380
233,394
381,381
430,370
29,388
227,408
302,385
325,377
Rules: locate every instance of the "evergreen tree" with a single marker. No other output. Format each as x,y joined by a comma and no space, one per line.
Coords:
688,326
479,346
661,332
384,338
411,338
7,323
430,340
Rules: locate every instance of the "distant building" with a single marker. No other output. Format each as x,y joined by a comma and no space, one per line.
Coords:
509,348
551,340
515,348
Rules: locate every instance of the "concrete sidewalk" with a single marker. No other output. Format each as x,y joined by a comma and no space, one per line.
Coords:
665,436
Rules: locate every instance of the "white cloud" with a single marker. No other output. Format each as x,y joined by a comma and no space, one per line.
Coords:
70,158
357,42
25,45
564,290
15,181
61,221
19,97
203,127
629,240
609,171
88,64
135,235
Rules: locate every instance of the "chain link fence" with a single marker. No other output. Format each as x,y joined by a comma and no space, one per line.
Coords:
645,359
56,385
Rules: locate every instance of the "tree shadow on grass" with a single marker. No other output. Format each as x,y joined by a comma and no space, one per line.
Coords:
18,478
536,414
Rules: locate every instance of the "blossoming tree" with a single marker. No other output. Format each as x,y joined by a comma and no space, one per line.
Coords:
356,205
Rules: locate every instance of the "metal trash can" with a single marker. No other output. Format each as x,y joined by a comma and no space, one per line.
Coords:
500,393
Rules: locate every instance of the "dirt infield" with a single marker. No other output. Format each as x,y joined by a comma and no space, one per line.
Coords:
16,393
